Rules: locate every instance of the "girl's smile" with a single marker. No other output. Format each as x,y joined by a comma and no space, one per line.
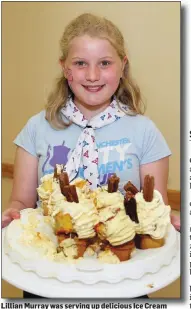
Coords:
93,88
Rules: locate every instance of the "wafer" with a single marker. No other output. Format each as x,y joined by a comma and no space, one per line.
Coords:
56,172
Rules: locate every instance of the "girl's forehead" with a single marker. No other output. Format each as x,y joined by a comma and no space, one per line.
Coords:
91,45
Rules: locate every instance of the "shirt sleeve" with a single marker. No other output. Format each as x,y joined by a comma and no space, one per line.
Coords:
26,139
154,145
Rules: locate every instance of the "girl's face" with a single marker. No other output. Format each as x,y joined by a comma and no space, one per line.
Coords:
93,69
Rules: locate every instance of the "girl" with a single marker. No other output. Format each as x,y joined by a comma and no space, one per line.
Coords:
93,122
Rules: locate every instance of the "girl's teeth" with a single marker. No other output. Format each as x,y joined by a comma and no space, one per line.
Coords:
93,88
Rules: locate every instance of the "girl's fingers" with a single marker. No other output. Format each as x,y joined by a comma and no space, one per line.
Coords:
175,220
8,216
5,221
15,215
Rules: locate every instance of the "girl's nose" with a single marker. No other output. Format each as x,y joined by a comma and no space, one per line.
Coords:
92,73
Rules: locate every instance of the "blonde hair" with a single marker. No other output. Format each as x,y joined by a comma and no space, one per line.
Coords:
128,92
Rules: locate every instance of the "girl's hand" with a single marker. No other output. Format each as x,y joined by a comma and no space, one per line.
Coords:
8,215
175,220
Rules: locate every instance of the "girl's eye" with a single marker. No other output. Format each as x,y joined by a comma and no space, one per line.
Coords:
105,63
80,63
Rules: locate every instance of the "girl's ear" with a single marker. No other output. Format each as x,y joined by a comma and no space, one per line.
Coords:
124,61
67,72
62,64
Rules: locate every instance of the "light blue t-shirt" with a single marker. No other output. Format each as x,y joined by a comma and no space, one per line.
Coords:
123,146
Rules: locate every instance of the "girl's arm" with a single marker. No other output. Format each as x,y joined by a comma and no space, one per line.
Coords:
159,169
24,194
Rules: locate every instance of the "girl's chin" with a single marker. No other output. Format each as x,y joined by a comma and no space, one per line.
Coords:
95,103
94,100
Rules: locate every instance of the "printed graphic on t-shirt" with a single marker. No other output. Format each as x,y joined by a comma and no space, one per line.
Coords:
115,156
55,155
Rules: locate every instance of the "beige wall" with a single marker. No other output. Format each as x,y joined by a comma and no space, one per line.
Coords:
30,51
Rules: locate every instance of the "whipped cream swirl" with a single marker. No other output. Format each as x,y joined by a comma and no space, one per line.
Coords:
154,216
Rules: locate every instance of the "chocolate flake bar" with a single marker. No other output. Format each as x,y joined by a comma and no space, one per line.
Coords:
64,181
130,187
70,193
148,188
113,183
131,209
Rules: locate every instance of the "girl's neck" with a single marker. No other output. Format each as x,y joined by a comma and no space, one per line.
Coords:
91,111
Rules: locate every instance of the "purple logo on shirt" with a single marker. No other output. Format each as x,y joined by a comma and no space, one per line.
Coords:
58,155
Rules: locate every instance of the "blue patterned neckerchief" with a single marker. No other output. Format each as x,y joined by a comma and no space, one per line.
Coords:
86,150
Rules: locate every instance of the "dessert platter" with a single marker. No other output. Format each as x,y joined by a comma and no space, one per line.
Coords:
88,242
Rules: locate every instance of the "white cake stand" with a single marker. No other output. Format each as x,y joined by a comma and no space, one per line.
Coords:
127,288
